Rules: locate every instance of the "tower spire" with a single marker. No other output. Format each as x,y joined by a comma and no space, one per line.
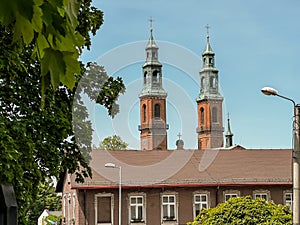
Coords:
209,102
228,134
153,127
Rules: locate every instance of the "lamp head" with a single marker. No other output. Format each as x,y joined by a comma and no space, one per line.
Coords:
269,91
110,165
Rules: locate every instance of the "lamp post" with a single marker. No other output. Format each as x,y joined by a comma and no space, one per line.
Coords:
296,154
112,165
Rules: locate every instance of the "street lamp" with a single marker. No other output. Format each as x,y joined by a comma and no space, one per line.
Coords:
112,165
296,154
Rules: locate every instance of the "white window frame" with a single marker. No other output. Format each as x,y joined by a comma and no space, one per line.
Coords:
69,209
74,206
168,205
143,205
99,195
288,202
260,193
201,203
64,205
231,193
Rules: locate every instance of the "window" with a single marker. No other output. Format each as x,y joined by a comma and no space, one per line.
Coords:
212,82
103,208
136,208
200,202
145,77
74,205
154,77
288,199
157,111
202,82
69,208
202,115
230,194
214,115
144,113
265,194
168,207
64,205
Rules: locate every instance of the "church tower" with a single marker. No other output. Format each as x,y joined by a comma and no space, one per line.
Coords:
209,103
153,127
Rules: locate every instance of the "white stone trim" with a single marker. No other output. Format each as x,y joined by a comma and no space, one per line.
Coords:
111,207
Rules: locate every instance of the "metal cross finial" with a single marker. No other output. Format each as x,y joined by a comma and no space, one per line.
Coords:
207,29
179,135
151,21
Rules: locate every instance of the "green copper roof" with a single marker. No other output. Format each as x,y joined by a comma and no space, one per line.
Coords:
151,42
208,49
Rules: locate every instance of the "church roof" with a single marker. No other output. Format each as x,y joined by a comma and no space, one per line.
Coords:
159,168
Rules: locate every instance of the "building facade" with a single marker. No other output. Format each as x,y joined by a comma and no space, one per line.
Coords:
163,187
176,194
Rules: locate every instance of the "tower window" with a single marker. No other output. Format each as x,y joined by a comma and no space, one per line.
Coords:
202,82
214,115
157,110
202,115
212,82
154,77
145,77
144,113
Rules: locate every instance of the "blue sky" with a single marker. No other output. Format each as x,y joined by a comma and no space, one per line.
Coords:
257,44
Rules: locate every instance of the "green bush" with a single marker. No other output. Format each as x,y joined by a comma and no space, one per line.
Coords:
245,211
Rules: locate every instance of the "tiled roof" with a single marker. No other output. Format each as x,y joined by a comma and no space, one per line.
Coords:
190,168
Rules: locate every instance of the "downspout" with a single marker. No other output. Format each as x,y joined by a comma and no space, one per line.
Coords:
84,206
217,195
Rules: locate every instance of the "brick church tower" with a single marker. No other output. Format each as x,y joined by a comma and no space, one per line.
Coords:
153,127
209,103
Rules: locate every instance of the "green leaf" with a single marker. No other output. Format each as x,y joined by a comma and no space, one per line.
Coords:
72,68
23,28
53,63
72,12
37,22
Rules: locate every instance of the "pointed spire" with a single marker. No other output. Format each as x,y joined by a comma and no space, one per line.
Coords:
208,48
151,42
228,134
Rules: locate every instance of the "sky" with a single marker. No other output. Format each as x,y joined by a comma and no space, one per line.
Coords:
256,44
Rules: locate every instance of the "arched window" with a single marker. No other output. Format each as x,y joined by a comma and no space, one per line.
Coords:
214,115
212,82
202,82
154,77
144,113
202,116
157,110
145,77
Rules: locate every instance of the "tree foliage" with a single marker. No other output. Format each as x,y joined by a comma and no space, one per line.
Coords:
113,143
46,198
245,211
58,31
40,41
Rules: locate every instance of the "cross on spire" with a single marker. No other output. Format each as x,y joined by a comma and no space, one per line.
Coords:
207,32
179,135
207,29
151,21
